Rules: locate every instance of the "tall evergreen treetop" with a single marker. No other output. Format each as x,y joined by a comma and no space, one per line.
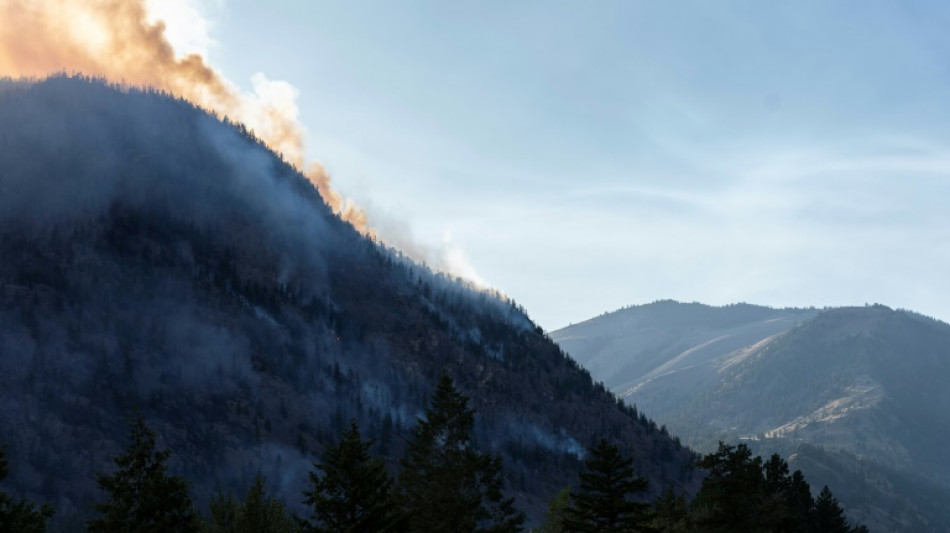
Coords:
447,485
785,501
143,497
603,501
258,513
799,497
731,496
827,515
352,491
743,494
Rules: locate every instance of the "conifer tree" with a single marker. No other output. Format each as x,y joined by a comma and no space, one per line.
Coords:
258,513
352,493
223,511
785,500
447,485
798,503
731,496
603,501
827,515
557,511
143,497
671,513
20,516
740,493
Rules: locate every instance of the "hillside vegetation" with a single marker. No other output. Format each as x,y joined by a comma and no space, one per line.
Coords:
160,263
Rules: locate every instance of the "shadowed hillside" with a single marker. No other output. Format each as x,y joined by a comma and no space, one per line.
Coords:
158,261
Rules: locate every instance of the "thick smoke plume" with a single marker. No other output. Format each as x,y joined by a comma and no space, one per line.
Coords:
115,39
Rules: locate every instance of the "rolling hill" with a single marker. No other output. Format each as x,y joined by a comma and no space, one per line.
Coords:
855,397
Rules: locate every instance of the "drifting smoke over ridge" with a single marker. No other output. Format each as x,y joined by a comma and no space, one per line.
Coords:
120,41
116,40
156,260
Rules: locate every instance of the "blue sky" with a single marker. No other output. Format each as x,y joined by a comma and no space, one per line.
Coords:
583,156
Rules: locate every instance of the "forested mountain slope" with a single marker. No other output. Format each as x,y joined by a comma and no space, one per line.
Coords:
855,397
156,261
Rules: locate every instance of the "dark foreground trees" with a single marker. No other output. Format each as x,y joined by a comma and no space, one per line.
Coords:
258,513
605,502
671,513
19,516
741,493
142,495
827,516
351,492
730,498
557,512
446,484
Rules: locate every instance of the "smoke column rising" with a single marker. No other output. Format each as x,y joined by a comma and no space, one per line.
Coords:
122,41
115,39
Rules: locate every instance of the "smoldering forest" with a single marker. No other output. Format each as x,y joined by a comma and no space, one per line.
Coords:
157,260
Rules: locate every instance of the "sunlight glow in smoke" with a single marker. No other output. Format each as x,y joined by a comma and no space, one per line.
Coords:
187,28
124,42
165,44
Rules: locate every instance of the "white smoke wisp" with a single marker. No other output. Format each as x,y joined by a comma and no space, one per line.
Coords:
163,44
456,262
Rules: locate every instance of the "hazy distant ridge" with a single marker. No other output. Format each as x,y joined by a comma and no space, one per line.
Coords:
856,396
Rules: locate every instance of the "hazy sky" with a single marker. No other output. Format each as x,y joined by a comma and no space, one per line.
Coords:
583,156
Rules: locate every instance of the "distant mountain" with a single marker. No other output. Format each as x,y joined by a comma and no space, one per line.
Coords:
855,397
157,261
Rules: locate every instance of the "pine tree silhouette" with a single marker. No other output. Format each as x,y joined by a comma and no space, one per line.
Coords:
352,491
603,501
447,485
143,497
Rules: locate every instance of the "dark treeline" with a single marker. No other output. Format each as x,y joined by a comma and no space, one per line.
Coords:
740,494
445,484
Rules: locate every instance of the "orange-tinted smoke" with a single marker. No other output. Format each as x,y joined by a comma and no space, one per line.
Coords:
114,39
